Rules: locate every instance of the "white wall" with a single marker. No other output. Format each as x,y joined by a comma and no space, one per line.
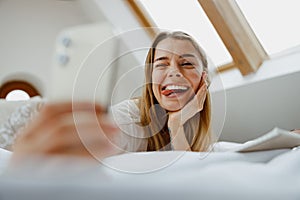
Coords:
28,32
258,102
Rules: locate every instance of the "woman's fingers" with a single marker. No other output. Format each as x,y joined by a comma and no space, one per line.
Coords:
82,140
201,93
192,107
57,109
197,103
52,110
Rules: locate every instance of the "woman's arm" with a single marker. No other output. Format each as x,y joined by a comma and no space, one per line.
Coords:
177,119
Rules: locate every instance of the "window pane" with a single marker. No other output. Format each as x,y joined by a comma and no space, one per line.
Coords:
17,95
188,16
275,23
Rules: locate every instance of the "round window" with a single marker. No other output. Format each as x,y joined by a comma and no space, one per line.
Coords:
18,90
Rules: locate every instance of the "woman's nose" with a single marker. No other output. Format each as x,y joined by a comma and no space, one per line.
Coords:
174,72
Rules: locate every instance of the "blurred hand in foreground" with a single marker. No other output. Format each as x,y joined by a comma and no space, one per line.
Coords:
68,129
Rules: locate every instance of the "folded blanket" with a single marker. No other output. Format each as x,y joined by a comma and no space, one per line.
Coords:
13,122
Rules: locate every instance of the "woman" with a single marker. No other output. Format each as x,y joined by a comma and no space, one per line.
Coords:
173,112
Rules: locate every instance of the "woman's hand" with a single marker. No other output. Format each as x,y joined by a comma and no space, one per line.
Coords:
178,118
194,106
78,129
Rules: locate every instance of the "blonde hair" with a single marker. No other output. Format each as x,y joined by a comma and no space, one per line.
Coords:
154,117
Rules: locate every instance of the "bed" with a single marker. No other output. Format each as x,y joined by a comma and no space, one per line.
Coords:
159,175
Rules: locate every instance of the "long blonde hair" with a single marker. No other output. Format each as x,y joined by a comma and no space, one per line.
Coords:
154,117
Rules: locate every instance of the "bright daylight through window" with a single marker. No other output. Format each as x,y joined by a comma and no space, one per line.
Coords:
17,95
275,23
189,17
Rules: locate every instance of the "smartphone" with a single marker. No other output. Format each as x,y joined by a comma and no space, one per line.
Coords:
84,64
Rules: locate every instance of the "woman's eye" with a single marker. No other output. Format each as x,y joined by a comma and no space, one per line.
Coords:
188,64
160,65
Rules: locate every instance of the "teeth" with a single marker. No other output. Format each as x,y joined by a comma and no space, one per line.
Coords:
176,87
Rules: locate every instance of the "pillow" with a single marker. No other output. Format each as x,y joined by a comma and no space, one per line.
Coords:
21,115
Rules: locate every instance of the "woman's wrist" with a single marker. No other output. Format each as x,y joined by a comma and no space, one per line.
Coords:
178,140
173,126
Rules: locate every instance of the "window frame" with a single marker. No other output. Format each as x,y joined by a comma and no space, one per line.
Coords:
144,19
9,86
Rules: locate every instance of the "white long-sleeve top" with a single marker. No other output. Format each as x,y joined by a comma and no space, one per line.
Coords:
127,116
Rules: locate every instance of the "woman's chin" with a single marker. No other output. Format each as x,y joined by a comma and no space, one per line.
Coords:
172,106
176,103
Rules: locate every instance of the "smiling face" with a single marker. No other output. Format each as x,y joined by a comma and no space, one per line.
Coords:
176,73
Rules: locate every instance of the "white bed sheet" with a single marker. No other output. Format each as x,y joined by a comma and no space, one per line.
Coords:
259,175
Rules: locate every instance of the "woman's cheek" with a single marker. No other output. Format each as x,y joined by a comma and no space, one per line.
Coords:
157,77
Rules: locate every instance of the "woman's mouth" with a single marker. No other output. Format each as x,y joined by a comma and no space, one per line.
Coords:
173,90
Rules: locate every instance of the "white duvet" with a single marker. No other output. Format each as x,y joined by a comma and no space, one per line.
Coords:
161,175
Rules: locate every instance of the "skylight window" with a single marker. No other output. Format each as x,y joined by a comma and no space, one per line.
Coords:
275,23
188,16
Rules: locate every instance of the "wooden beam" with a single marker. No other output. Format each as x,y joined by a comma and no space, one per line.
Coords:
234,30
225,67
144,20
